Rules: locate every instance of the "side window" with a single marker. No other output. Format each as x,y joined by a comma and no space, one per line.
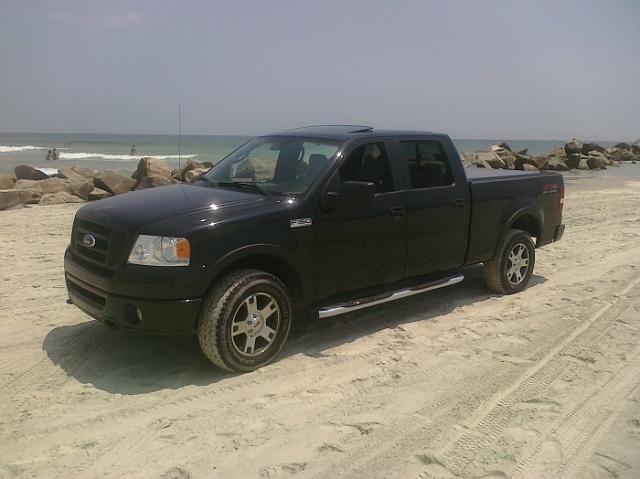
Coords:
428,163
368,163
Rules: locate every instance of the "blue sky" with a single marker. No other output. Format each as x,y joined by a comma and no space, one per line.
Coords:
543,69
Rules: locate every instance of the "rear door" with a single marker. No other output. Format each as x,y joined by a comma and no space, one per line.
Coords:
437,206
359,248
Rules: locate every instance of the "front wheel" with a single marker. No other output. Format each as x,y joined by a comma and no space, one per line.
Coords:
510,269
245,321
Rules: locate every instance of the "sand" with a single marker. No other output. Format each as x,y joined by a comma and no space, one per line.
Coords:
455,383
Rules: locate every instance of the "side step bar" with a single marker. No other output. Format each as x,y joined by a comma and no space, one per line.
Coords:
335,310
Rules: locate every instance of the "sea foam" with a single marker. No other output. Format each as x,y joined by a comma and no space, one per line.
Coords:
13,149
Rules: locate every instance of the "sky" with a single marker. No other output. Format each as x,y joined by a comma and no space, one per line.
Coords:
476,69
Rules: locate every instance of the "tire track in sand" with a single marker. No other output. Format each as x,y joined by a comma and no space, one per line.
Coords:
498,415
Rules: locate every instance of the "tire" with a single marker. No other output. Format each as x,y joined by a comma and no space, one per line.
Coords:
245,321
511,268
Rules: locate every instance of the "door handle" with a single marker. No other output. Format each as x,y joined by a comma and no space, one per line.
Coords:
397,213
458,203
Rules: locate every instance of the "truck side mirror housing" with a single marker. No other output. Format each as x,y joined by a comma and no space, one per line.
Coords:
356,194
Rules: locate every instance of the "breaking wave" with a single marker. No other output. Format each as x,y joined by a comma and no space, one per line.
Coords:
102,156
13,149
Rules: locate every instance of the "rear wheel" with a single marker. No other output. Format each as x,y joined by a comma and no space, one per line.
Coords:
511,268
245,321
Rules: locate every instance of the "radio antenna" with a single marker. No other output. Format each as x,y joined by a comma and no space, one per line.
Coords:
179,137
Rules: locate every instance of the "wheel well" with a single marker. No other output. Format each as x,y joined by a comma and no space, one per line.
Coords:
527,223
272,265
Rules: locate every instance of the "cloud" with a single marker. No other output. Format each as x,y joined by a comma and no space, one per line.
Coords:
118,21
93,20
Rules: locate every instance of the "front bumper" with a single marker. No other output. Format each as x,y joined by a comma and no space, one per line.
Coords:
134,314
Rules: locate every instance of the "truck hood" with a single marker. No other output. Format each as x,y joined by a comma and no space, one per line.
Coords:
148,206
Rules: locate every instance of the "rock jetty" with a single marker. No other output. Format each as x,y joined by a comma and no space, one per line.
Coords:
79,184
575,155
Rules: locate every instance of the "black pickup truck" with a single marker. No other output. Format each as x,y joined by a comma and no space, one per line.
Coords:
322,220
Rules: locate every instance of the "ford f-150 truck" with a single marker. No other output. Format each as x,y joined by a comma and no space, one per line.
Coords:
322,220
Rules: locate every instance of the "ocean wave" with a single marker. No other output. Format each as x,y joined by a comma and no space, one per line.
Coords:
103,156
13,149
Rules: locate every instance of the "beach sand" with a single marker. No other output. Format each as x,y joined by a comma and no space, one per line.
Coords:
455,383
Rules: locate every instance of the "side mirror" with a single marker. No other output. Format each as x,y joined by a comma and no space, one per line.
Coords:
352,193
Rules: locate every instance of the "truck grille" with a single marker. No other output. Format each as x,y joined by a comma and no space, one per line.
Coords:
97,244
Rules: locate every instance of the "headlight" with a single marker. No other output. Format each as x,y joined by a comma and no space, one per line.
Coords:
160,251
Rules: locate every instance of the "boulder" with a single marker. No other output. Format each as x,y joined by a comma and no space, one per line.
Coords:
560,153
540,162
53,185
31,196
584,164
601,157
25,172
152,167
636,147
596,162
152,182
82,188
620,154
557,164
573,146
10,199
522,160
192,175
59,198
529,167
485,155
114,183
7,182
623,146
467,158
507,157
191,164
573,161
25,184
83,171
589,147
98,194
69,174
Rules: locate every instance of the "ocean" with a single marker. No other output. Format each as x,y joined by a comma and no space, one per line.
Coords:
113,151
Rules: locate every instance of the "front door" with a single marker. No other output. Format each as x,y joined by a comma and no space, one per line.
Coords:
363,247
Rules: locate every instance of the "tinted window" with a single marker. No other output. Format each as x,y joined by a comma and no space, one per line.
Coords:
428,163
368,163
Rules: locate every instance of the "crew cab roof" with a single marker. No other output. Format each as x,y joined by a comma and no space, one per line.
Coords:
344,132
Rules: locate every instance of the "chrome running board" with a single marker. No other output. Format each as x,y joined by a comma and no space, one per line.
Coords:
335,310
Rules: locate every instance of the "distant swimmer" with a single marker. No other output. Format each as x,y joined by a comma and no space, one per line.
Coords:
49,156
133,150
56,154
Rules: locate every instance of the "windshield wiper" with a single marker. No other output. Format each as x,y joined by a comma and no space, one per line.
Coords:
241,184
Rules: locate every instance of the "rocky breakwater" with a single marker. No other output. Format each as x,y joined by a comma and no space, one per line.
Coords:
78,184
575,155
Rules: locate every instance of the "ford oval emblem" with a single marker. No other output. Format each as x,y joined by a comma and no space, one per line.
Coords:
89,241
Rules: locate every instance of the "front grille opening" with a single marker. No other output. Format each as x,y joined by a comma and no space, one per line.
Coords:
96,243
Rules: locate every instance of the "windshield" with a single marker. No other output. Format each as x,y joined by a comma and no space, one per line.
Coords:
274,165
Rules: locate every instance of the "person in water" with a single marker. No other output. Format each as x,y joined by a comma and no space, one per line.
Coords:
49,156
133,150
